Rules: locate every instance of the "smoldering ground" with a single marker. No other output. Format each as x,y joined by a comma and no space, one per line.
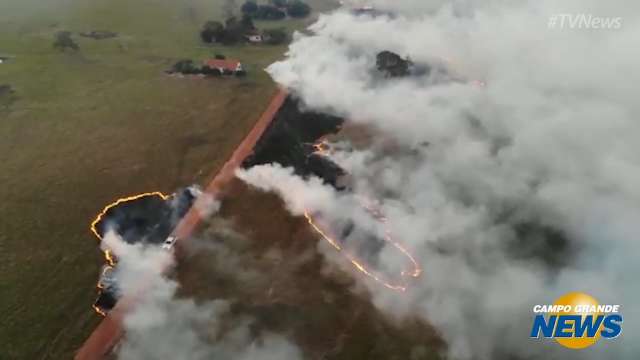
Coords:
515,192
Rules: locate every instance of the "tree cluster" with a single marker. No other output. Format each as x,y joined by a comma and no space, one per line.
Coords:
298,9
188,67
279,3
234,30
268,12
229,33
392,64
277,10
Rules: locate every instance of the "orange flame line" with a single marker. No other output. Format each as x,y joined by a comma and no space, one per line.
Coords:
376,213
322,147
360,265
109,257
104,271
98,310
118,202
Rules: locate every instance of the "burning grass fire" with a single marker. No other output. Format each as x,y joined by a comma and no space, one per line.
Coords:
323,148
147,218
104,211
297,139
109,258
400,284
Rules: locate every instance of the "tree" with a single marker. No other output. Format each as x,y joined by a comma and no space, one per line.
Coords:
298,9
392,65
185,66
233,31
211,31
275,36
64,41
229,7
279,3
247,23
209,71
249,7
269,12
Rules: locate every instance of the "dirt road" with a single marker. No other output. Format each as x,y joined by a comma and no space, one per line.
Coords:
106,336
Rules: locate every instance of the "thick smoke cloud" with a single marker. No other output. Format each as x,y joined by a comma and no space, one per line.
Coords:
510,194
164,326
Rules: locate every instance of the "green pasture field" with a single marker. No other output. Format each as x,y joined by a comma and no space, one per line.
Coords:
86,127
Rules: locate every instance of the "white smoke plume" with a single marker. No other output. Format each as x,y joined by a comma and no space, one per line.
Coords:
206,205
551,140
163,326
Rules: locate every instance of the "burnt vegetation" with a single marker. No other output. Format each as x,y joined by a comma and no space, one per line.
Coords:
147,220
289,141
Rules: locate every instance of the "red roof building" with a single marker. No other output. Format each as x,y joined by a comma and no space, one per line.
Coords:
224,65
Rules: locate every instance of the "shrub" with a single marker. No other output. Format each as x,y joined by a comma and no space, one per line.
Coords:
209,71
279,3
211,31
275,36
64,41
185,67
249,7
392,65
269,12
298,9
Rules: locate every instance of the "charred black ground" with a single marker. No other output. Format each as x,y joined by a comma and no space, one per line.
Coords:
146,220
289,141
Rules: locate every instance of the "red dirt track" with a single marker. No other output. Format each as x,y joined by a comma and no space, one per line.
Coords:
108,333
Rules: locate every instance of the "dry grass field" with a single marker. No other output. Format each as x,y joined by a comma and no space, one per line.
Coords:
256,254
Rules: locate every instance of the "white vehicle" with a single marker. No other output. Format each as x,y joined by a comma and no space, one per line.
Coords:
169,242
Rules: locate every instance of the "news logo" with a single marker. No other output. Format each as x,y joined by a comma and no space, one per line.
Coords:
576,321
